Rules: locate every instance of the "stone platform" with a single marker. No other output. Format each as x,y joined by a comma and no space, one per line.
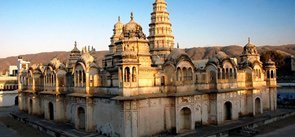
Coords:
68,130
50,127
243,125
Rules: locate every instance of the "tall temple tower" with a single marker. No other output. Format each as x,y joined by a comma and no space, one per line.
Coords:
161,39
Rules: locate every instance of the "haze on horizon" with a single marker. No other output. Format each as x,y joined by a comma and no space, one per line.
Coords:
33,26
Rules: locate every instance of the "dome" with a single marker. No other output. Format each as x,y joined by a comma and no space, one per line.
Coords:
133,29
132,25
221,55
213,60
75,49
119,24
270,63
250,48
176,55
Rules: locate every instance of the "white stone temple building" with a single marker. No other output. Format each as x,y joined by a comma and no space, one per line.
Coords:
146,86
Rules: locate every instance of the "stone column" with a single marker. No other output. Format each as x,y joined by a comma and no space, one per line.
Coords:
78,79
89,127
56,84
87,82
33,84
20,102
75,79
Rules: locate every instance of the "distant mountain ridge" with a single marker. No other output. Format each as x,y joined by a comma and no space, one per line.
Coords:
196,53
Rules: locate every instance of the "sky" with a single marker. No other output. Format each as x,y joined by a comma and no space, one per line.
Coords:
33,26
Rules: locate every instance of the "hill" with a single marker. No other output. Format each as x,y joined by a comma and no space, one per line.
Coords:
196,53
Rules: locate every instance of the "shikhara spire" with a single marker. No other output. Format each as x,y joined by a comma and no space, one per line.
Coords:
161,39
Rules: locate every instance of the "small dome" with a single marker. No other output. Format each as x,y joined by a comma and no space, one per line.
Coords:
213,60
119,24
75,49
176,55
250,48
270,63
133,29
221,55
132,25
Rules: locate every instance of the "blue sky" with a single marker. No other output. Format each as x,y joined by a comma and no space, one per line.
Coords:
32,26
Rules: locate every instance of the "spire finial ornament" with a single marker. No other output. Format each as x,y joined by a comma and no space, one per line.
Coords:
249,40
75,44
131,17
177,45
119,18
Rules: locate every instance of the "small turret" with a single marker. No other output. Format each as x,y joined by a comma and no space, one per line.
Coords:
270,70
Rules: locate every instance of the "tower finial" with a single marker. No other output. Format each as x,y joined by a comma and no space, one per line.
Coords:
131,17
249,40
75,44
119,18
177,45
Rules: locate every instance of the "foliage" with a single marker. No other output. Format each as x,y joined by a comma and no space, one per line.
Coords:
275,56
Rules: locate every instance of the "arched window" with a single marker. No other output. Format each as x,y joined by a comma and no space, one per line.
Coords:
230,73
268,74
184,71
226,73
178,74
190,74
223,73
127,74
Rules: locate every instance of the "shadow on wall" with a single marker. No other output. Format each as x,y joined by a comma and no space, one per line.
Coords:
8,98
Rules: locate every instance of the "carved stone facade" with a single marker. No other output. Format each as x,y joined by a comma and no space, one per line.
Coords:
146,87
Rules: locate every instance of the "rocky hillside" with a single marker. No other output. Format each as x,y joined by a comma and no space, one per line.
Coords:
196,53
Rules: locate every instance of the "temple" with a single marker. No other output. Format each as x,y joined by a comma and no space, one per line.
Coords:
145,86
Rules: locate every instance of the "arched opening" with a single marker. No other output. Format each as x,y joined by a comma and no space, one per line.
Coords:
50,110
178,74
223,73
190,74
212,80
227,111
16,101
185,119
184,72
268,74
162,80
81,118
127,74
257,106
